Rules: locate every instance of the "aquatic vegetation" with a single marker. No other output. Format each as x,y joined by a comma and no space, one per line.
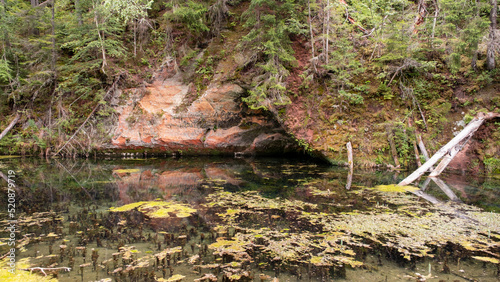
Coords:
253,201
487,259
176,277
158,209
124,171
396,188
410,228
222,246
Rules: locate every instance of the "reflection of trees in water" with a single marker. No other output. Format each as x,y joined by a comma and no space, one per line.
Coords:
43,181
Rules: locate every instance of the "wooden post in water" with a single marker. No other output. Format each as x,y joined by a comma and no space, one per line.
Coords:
351,165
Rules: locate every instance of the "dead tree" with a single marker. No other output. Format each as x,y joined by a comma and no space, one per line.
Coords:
449,150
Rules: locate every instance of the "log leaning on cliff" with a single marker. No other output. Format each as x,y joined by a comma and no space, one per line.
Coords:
455,144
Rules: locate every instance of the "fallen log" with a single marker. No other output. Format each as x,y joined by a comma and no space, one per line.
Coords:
455,144
448,158
10,126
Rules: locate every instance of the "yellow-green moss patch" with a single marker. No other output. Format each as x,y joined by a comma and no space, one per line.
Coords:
158,209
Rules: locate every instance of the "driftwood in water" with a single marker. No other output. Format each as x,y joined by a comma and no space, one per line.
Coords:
351,165
454,145
10,126
445,189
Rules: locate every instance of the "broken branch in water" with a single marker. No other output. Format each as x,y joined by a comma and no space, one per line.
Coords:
43,269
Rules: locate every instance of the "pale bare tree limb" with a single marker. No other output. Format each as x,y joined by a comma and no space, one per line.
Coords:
10,126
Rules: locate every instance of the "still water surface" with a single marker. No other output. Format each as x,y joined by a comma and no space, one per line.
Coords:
249,220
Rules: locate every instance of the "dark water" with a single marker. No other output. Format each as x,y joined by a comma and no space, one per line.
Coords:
253,220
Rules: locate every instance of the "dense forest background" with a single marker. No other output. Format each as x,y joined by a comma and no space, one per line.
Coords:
378,73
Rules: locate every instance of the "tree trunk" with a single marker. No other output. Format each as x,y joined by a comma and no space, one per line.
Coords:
54,55
101,40
135,37
421,145
5,33
490,56
327,30
436,13
310,28
448,158
417,155
78,12
10,126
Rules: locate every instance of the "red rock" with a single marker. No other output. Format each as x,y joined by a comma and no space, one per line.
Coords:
213,122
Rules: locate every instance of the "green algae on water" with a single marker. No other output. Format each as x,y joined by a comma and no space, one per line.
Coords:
158,209
396,188
131,170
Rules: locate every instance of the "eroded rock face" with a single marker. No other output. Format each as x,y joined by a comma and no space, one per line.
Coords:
217,122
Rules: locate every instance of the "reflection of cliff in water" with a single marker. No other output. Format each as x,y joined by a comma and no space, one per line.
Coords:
187,181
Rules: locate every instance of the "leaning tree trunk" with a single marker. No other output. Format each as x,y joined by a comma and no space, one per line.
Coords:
490,57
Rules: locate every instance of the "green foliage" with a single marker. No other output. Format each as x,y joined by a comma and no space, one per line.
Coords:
492,165
191,13
385,91
5,72
352,98
403,140
269,38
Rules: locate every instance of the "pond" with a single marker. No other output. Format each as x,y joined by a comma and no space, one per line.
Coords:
224,219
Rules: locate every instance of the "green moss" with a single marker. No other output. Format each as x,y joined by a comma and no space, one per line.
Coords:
492,165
